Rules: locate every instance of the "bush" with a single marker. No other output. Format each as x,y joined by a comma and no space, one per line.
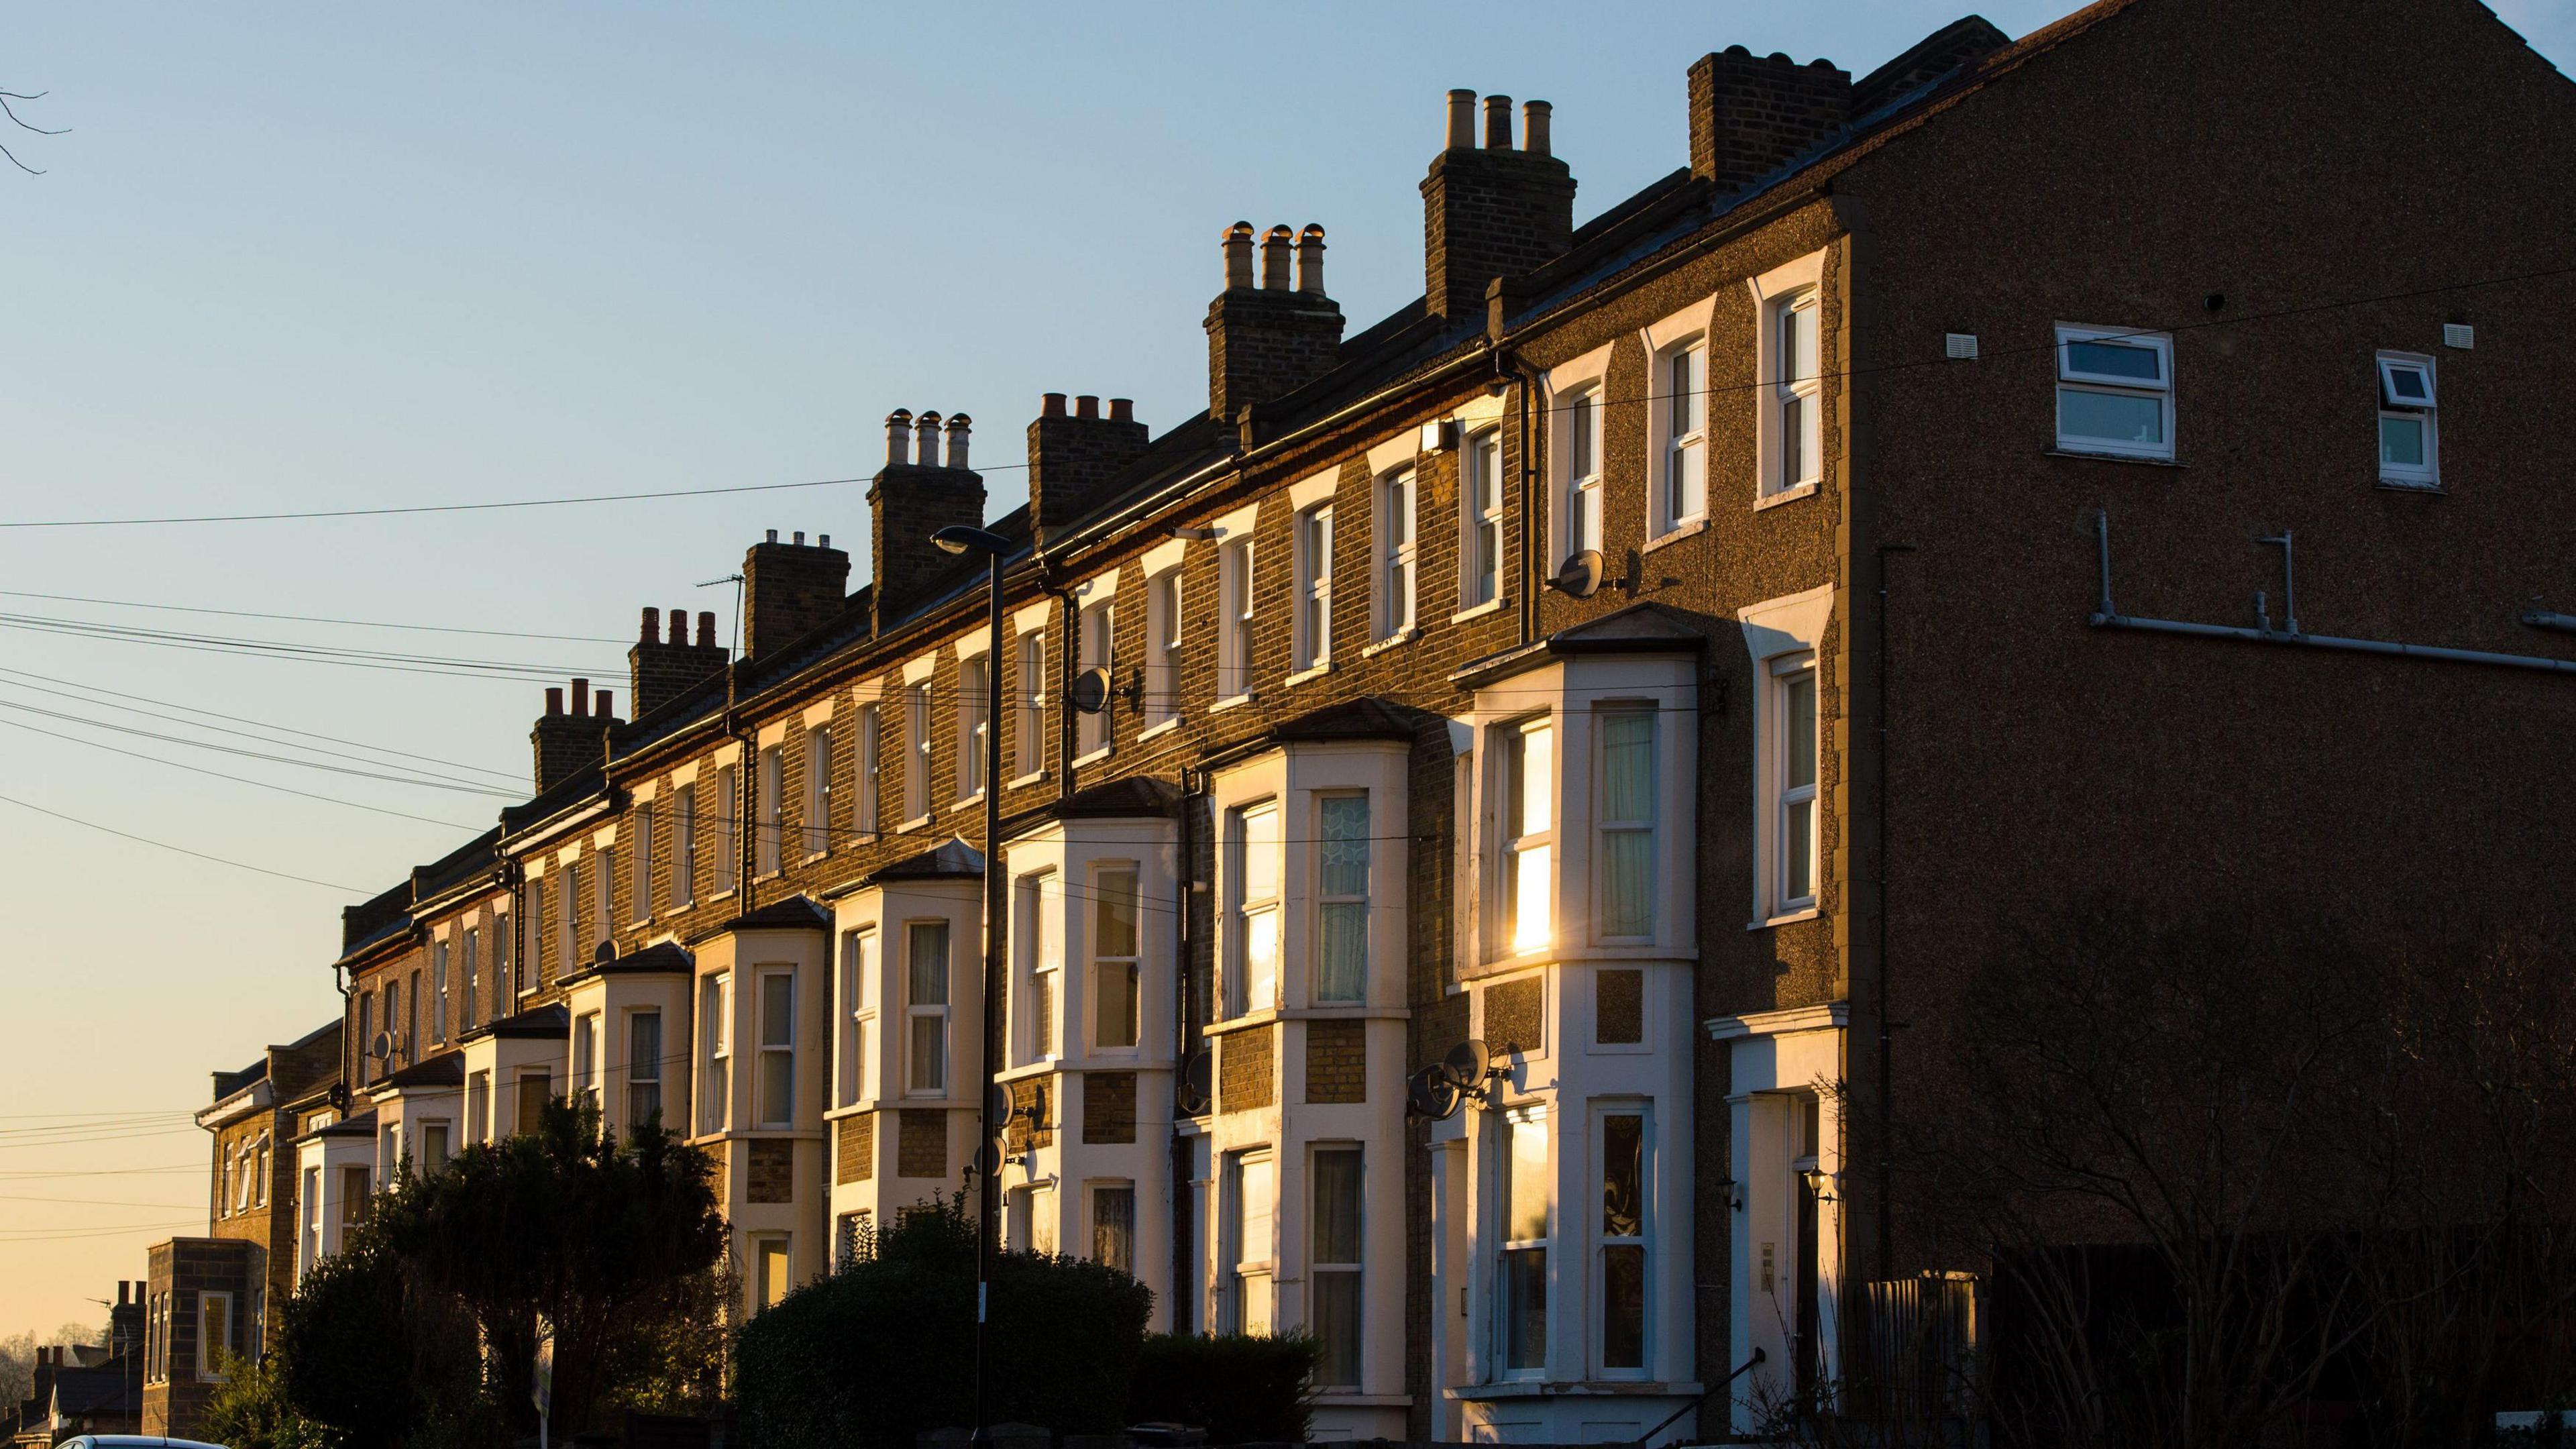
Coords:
367,1350
884,1349
1241,1389
250,1410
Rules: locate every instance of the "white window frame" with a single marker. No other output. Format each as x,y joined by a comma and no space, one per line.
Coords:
210,1303
1794,393
1102,962
1252,1180
1507,1127
2387,366
1677,499
1035,1013
870,766
858,1014
478,1109
1604,825
1319,1268
1515,837
715,1052
438,964
1581,487
1789,284
1311,644
585,1055
1096,641
1326,901
974,701
644,1068
603,891
684,845
772,1052
728,823
1398,572
1029,749
1247,912
1774,629
2072,379
472,959
916,751
769,811
1786,800
1165,618
1480,519
1237,570
820,749
640,865
917,1010
1597,1316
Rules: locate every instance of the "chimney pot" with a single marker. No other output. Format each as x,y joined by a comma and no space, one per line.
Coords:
581,696
1051,405
773,535
1275,247
822,540
898,437
679,626
925,430
1462,121
1498,123
1310,260
706,629
652,628
800,538
1122,410
600,705
1237,242
960,427
554,699
1534,125
1086,406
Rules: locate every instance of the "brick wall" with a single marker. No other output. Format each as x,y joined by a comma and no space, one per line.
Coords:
1750,115
772,1177
921,1142
1108,1107
856,1160
1243,1066
1336,1061
1490,213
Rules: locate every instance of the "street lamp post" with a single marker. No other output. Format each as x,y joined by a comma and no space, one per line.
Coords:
964,539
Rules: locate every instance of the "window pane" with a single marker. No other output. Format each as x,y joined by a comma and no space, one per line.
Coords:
2406,384
2116,359
1344,851
1113,1228
1117,988
1525,1308
1792,361
929,965
1261,960
1799,851
1793,441
929,1053
1536,774
1336,1327
644,1046
1532,926
1623,1307
1337,1206
1627,870
1623,1139
777,1017
1341,972
1525,1186
1261,853
1114,913
1627,765
777,1086
1799,728
2401,442
2112,417
1579,433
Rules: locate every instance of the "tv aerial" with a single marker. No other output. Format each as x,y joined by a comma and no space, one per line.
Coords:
1465,1071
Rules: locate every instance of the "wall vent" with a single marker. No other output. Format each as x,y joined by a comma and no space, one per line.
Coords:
2460,335
1959,346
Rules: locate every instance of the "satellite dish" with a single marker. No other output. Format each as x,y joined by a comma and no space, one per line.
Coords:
604,953
1581,576
1193,1098
1466,1064
382,1046
998,1110
1431,1094
1090,692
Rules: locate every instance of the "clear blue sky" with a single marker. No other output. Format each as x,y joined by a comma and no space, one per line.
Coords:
304,255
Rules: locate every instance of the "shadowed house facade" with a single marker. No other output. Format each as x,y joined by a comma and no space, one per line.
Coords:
1667,653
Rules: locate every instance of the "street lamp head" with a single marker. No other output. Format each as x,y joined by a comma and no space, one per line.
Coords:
963,538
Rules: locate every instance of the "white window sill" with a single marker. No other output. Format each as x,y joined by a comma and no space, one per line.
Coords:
1405,635
1233,701
724,894
1304,675
917,822
1156,731
1032,778
1785,495
1785,918
1477,611
1095,756
1687,528
772,873
1258,1016
811,856
2098,455
968,803
2413,485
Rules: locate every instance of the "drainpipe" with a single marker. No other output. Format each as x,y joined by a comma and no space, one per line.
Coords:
1185,1025
1886,1027
1524,380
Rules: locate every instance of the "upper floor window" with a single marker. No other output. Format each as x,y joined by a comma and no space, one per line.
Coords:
1625,818
770,806
1480,507
1796,394
1234,661
871,752
858,1007
728,821
1116,984
640,865
603,885
1029,750
1313,644
438,954
2115,392
1041,952
974,723
1163,648
819,760
505,952
643,1068
1681,492
567,921
1395,553
916,765
715,1051
684,845
471,1015
1793,710
1582,471
1341,898
926,1008
1097,636
1253,837
1526,785
777,1079
2406,452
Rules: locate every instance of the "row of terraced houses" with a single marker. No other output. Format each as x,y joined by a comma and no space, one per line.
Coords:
1666,653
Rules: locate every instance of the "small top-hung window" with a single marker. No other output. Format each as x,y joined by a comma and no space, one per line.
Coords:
2406,453
2115,392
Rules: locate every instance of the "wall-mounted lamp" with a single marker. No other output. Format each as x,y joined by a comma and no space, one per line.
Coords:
1734,1199
1194,535
1817,1181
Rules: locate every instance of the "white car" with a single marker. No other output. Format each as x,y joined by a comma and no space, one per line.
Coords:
120,1441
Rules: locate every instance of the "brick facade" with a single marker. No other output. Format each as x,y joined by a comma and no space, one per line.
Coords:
1336,1061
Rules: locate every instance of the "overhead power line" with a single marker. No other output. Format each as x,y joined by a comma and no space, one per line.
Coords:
127,633
236,779
426,782
310,618
183,850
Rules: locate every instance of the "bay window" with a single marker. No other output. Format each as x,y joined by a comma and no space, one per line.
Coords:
926,1008
1335,1267
1041,952
715,1052
643,1068
1625,817
1525,882
1252,1189
1252,834
1621,1331
777,1101
1113,1225
1526,1222
1116,988
1341,898
858,1022
585,1055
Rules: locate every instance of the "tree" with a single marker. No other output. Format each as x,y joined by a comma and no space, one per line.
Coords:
22,124
614,1248
250,1410
368,1350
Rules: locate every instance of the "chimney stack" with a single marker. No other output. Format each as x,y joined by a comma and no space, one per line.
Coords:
1750,118
566,743
791,589
1269,340
1071,459
661,668
1491,211
908,501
